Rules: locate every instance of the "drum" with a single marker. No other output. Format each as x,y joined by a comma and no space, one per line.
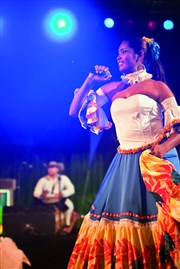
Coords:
50,200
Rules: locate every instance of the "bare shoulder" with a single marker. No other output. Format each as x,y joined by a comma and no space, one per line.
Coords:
162,90
156,90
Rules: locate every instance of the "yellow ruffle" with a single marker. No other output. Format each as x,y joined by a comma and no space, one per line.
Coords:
158,177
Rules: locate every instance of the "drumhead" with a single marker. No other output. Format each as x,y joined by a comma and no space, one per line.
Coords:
50,200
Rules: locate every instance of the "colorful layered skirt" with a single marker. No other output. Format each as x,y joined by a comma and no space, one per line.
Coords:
134,221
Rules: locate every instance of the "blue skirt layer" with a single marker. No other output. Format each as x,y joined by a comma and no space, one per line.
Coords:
123,194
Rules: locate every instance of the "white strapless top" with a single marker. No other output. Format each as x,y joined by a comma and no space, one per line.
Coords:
138,120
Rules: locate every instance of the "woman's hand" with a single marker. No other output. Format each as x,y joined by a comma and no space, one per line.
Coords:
101,73
159,150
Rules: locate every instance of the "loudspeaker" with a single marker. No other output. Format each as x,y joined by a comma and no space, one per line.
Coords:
41,220
8,183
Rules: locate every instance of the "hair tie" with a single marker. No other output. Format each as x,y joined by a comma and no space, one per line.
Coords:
154,47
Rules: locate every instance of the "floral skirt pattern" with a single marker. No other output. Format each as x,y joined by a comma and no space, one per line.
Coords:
134,222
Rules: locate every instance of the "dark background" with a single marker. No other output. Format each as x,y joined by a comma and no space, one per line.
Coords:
38,77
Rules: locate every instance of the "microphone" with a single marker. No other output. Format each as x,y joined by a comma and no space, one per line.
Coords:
90,69
104,74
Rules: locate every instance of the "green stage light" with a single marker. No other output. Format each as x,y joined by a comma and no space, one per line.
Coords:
109,23
168,25
60,25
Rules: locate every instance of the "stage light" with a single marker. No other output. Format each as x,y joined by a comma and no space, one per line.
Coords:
60,25
109,23
152,25
168,25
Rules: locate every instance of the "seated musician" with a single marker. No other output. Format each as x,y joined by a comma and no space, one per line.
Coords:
55,189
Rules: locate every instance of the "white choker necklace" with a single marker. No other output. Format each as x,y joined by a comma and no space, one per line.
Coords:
136,77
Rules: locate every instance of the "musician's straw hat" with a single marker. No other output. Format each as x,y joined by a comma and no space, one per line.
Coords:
60,166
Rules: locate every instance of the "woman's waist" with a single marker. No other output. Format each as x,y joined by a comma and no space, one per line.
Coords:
133,146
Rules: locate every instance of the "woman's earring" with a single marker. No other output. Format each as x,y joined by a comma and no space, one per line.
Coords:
140,66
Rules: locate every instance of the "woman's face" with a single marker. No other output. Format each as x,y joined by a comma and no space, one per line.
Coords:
127,59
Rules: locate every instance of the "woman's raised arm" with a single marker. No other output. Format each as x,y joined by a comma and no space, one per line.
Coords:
81,93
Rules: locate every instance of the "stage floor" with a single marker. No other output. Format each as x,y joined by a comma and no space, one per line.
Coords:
47,251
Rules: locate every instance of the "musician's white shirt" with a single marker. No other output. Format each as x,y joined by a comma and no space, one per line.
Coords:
54,186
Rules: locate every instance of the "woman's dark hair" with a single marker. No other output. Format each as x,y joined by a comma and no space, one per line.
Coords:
151,51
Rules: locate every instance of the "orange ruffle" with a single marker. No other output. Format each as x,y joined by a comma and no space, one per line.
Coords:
163,181
120,245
